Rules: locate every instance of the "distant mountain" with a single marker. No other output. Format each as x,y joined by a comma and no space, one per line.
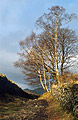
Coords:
8,87
37,91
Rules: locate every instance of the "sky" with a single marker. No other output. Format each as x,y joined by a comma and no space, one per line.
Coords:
17,20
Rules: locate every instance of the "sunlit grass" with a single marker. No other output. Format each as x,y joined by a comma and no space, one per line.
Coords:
54,109
2,75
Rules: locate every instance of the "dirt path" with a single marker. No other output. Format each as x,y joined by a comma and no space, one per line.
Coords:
43,108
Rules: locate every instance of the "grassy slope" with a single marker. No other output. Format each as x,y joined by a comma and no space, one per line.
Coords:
45,108
54,110
8,108
28,110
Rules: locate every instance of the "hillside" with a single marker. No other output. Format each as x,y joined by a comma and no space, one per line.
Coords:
9,88
37,91
46,107
61,104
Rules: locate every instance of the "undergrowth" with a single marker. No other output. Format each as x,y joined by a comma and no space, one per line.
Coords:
54,110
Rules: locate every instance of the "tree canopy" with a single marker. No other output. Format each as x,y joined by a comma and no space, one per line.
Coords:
46,56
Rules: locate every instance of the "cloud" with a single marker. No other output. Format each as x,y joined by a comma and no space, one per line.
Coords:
7,68
17,19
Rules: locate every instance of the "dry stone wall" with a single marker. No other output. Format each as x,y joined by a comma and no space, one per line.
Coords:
68,97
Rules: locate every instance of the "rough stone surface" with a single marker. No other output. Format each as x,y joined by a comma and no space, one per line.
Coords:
68,97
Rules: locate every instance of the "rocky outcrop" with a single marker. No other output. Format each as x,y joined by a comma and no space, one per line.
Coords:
8,87
68,97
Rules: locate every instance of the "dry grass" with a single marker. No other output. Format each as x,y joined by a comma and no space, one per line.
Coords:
45,108
70,78
24,110
54,110
9,108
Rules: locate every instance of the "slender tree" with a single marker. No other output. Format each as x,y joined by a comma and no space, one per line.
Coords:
46,55
52,23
